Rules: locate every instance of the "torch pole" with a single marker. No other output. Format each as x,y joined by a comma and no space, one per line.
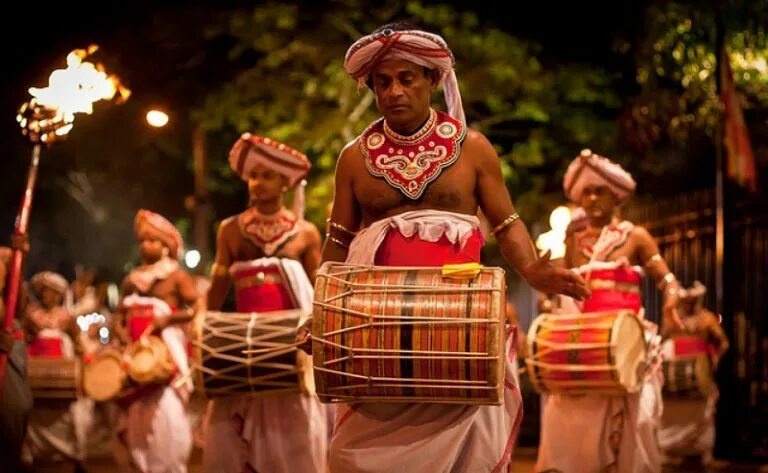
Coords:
17,256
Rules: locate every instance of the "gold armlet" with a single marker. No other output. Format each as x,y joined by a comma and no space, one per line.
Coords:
506,223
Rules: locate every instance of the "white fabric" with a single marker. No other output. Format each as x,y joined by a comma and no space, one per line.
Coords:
145,276
280,433
56,431
359,57
422,437
688,426
576,432
157,433
589,169
429,225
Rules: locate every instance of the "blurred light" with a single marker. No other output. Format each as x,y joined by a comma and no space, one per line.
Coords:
104,332
113,295
157,119
192,259
560,218
554,240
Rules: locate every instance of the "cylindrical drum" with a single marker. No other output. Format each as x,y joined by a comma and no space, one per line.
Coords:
408,334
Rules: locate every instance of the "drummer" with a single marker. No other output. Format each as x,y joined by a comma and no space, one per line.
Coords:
596,432
270,253
688,425
156,297
407,193
56,430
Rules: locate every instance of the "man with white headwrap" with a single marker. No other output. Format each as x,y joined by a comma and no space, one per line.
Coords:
407,193
270,253
688,422
594,432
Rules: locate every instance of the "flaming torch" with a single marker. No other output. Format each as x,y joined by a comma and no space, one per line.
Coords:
47,117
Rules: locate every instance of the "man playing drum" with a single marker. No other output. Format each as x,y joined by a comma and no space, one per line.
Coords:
57,427
594,432
156,296
407,193
688,424
270,253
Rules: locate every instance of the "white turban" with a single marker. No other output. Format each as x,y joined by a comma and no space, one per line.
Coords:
51,280
419,47
589,169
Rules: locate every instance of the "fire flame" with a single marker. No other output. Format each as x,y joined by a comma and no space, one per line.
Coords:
51,112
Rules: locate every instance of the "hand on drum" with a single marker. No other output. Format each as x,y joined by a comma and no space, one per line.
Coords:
304,335
543,276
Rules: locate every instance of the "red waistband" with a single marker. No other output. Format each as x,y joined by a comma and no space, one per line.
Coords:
398,250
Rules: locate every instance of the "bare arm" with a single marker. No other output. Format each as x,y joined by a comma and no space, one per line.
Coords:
119,316
220,278
514,240
312,255
346,212
648,253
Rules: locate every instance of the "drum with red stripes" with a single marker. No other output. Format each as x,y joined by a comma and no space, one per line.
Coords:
595,352
408,334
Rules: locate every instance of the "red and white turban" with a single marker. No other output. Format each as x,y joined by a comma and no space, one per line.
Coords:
151,225
250,150
589,169
51,280
419,47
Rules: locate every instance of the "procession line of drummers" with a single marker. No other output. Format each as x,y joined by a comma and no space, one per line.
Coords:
380,335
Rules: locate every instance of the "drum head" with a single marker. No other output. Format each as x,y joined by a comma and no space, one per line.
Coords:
149,362
103,378
629,350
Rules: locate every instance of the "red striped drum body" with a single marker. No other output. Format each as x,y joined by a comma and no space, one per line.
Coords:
590,353
402,334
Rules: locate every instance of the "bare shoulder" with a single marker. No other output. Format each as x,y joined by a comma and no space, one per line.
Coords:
641,235
229,225
479,149
350,156
310,231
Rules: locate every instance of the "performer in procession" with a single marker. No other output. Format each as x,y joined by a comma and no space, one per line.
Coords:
56,433
688,424
270,254
157,297
407,193
595,432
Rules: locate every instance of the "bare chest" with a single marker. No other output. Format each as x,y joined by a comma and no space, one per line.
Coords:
452,190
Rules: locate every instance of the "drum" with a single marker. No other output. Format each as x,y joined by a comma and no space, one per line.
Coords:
148,361
104,377
408,334
595,353
54,378
254,354
688,376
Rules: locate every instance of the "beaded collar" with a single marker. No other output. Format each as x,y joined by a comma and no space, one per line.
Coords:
410,163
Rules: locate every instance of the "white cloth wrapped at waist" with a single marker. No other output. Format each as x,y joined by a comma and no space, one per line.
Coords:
430,225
